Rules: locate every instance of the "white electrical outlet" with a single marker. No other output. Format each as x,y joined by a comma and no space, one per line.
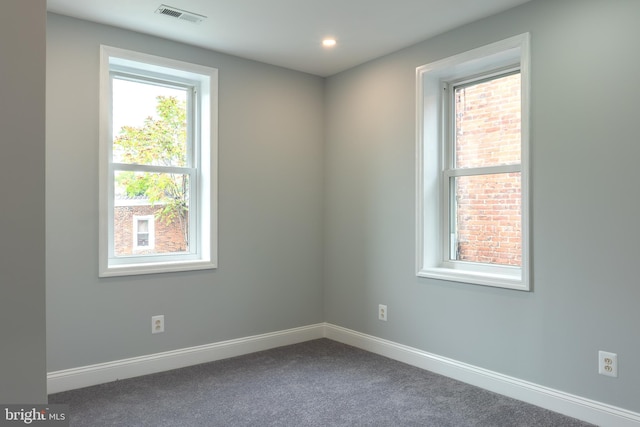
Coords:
608,364
382,312
157,324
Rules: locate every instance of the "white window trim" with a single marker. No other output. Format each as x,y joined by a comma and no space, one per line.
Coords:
205,254
151,231
431,261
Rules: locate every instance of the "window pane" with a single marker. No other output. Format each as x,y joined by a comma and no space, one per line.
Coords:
164,196
143,239
487,123
149,124
143,226
486,219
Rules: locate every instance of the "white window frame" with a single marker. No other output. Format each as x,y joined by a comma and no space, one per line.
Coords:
150,230
432,192
202,167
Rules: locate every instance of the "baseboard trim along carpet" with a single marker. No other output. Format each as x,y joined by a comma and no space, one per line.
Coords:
84,376
571,405
568,404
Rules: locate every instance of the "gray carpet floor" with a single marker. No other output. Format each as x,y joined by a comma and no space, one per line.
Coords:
316,383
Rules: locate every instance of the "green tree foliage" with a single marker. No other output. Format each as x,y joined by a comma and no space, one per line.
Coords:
159,142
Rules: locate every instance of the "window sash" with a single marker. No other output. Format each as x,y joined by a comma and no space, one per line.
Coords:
190,170
194,243
450,171
192,113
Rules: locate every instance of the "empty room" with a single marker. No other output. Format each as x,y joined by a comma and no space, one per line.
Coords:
354,212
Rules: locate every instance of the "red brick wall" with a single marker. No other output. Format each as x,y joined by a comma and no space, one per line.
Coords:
489,206
168,237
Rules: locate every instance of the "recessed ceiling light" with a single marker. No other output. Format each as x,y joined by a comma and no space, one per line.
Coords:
329,42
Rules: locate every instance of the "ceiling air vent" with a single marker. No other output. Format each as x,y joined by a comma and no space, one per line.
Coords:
180,14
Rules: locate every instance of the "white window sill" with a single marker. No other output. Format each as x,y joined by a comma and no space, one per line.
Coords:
509,281
153,268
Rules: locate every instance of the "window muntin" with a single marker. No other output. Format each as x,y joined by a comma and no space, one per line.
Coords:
451,175
158,155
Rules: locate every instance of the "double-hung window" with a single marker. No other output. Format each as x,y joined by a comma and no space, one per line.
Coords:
158,151
472,197
143,232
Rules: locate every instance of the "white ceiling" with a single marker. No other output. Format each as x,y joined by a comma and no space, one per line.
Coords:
288,33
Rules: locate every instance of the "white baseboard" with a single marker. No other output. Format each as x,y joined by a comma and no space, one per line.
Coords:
84,376
568,404
571,405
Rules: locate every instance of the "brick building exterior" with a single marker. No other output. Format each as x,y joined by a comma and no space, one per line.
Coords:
139,229
489,206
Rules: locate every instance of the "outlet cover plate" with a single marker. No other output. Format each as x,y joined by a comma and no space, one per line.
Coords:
608,364
157,324
382,312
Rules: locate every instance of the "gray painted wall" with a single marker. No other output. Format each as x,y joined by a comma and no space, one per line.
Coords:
22,195
585,205
270,216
